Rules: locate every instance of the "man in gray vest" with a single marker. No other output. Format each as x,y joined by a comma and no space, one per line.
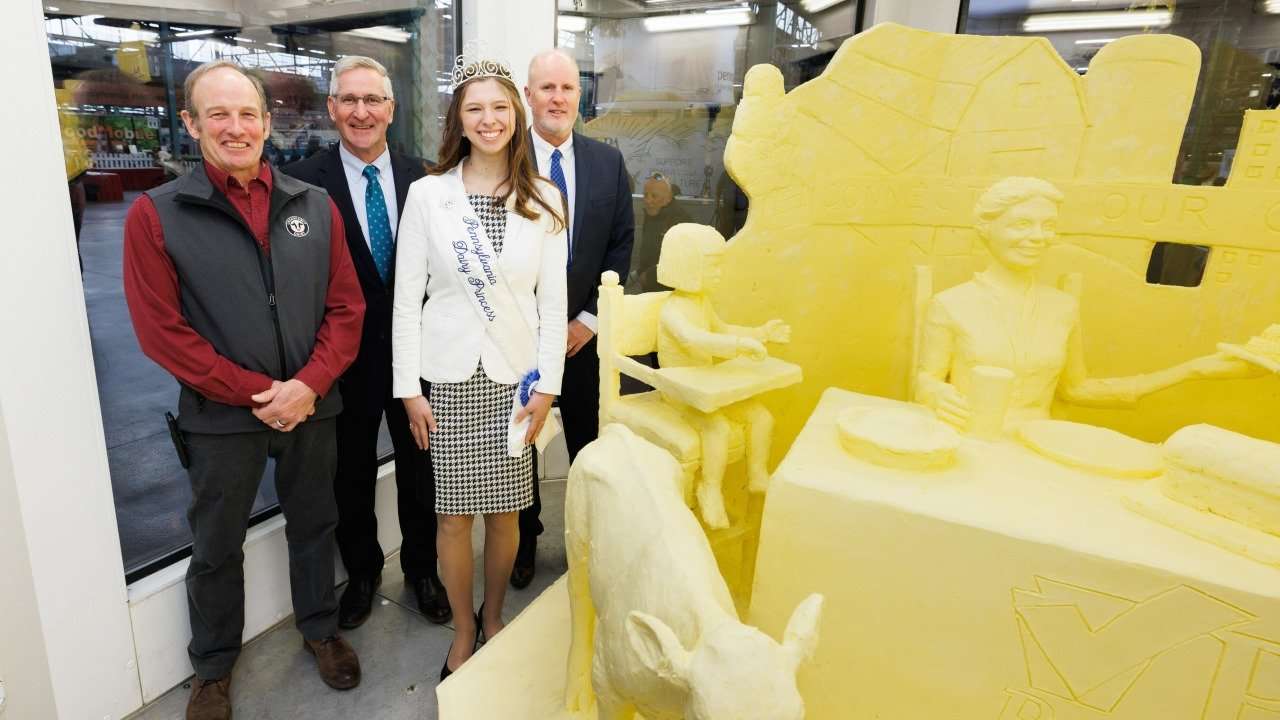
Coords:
240,284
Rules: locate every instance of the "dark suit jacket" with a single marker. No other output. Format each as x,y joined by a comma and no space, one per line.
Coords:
366,385
603,226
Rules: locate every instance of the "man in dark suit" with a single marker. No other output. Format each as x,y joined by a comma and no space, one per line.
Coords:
369,184
593,179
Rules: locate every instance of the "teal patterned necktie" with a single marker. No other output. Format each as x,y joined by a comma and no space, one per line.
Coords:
381,242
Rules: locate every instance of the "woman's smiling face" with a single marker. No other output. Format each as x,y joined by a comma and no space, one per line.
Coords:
488,118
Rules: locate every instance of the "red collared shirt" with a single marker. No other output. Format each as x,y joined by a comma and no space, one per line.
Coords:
151,288
252,202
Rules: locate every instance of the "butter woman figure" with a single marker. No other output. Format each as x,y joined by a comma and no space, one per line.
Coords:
1005,318
691,334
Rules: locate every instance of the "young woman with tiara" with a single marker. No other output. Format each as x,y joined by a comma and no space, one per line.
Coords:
479,331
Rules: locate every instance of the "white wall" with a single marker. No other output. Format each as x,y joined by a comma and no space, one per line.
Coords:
512,31
56,487
24,665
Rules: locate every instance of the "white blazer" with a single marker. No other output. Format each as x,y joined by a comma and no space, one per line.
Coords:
442,340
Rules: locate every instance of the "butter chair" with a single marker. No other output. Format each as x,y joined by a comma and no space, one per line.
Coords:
629,327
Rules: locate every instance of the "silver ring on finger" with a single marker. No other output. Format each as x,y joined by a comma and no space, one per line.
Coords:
280,423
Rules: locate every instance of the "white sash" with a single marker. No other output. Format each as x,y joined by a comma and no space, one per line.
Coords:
475,266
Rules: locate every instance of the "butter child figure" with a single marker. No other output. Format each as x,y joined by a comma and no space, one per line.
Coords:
690,334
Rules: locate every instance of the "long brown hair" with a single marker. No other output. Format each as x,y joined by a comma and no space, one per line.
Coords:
522,178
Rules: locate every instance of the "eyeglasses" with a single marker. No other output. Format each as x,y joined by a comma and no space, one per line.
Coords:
373,102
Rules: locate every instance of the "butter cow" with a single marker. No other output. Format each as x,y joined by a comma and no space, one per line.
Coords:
654,627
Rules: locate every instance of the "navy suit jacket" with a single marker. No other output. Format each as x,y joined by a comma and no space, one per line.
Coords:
365,385
603,226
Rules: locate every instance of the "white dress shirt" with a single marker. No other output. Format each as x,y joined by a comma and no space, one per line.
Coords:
542,152
354,167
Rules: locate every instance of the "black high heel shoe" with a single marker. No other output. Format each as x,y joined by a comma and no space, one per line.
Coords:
444,669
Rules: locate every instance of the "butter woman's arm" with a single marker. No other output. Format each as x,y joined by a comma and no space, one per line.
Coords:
933,368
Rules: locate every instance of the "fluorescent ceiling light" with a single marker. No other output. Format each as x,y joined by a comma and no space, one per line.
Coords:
382,32
52,9
1271,7
194,33
699,21
572,23
1058,22
1096,41
815,6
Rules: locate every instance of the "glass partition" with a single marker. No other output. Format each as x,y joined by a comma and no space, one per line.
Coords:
660,81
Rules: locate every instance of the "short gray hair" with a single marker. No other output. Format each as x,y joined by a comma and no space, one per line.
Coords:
189,85
351,62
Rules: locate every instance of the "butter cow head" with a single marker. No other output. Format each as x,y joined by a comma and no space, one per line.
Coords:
735,671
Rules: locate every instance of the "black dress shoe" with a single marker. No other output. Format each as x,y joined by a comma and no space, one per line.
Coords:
357,601
522,571
433,602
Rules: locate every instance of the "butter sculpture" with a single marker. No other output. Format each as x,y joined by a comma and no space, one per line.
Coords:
972,574
1225,473
861,175
1219,486
1011,586
692,335
1013,581
654,627
1006,318
1263,350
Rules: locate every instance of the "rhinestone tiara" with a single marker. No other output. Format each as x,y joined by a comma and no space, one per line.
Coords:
474,63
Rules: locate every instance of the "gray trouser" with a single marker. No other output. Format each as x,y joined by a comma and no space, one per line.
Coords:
225,473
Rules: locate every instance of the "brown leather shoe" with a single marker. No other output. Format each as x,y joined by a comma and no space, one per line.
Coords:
337,661
210,699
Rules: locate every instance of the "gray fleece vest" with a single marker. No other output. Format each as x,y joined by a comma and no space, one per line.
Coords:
261,311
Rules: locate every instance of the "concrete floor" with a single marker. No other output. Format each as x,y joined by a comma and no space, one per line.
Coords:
400,651
151,488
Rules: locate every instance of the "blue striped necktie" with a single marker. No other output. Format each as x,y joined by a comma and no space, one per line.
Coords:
557,177
381,241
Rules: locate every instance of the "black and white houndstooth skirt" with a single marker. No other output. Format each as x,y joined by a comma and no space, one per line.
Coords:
473,472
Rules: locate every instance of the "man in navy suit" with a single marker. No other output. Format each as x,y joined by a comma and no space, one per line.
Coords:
369,184
593,179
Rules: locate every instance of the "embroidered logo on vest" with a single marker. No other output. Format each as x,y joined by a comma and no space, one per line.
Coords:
297,226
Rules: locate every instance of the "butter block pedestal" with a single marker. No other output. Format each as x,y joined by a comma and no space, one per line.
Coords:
1006,587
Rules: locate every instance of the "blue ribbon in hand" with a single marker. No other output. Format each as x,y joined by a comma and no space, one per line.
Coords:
526,386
